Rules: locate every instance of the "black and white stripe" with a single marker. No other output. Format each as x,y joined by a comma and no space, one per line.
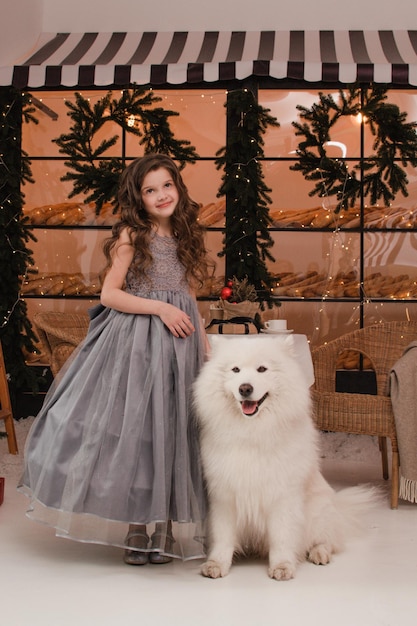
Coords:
103,59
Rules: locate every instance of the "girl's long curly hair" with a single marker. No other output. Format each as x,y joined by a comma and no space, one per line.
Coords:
185,226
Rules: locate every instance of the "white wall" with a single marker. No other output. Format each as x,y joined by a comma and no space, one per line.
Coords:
20,25
131,15
23,20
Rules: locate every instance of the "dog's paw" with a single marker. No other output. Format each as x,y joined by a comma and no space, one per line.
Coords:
320,554
282,571
214,569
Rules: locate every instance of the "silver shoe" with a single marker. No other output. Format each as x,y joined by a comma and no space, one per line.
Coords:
162,532
139,540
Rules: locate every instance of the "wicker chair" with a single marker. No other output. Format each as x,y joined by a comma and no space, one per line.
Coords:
60,334
359,413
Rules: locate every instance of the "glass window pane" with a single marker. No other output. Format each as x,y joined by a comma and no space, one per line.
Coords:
283,142
316,265
47,200
320,321
68,262
203,181
201,119
390,263
37,138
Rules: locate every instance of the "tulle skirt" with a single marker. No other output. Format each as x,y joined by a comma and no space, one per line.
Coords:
115,442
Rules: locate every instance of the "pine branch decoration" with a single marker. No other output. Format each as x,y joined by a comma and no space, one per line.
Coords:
247,241
381,175
90,171
242,290
16,333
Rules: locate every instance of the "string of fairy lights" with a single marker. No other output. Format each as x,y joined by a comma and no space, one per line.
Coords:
342,242
6,201
9,312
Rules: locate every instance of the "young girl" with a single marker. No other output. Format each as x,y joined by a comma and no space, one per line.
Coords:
113,455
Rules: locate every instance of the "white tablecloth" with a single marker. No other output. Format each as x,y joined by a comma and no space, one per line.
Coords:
300,343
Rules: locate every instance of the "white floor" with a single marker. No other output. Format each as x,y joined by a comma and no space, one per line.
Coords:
47,581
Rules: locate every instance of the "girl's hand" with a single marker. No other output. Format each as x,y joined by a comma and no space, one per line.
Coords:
177,322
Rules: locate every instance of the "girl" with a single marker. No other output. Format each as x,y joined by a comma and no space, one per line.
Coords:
114,444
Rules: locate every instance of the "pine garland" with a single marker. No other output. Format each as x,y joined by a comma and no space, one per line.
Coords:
380,175
16,332
247,240
90,171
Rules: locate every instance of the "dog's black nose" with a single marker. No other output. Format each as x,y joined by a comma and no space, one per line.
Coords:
245,390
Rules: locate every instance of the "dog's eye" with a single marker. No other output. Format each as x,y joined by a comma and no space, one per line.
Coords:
262,369
236,370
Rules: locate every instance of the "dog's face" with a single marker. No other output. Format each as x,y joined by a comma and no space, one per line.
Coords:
250,385
251,376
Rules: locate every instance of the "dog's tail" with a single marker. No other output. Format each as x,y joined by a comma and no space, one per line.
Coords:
347,516
356,505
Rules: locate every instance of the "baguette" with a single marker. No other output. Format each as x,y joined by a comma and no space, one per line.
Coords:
212,213
290,278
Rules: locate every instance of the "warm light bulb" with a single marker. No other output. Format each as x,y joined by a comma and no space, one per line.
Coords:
359,118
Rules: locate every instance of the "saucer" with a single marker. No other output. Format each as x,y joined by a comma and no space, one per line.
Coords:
276,332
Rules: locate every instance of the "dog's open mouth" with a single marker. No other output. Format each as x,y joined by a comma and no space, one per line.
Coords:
250,407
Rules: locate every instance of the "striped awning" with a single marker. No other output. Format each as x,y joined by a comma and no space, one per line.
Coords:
180,58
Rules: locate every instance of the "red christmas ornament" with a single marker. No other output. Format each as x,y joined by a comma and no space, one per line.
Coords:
229,283
225,293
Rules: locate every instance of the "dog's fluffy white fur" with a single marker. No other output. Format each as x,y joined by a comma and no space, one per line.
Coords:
267,495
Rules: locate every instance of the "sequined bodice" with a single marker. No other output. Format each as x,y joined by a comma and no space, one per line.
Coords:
165,274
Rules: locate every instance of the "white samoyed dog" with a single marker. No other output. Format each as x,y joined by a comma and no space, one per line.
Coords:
260,458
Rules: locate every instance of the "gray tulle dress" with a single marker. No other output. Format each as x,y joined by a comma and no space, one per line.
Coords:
115,442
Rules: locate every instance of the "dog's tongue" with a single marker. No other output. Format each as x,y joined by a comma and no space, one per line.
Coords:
249,407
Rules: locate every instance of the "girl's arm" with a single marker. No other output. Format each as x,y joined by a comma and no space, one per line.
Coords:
113,295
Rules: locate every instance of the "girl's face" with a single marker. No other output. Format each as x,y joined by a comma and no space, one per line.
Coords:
159,195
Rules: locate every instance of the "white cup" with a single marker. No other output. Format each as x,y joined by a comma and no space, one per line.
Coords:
276,325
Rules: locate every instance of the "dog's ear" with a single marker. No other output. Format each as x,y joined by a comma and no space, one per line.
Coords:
290,344
214,341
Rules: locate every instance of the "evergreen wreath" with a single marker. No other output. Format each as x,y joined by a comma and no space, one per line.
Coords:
96,175
380,175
